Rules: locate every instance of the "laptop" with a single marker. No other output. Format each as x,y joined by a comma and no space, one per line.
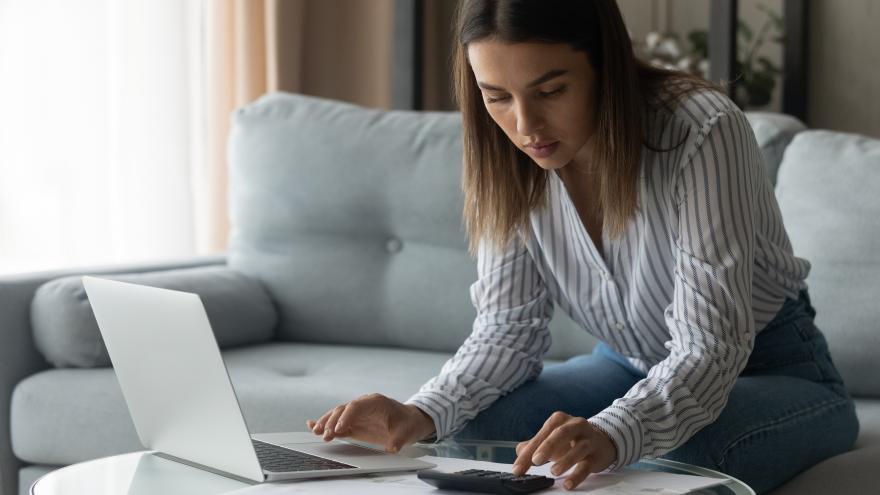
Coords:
182,402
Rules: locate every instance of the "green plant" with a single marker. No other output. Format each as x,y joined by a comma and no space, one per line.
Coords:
755,75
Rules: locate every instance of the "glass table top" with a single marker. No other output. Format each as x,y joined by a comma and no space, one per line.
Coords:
142,473
495,451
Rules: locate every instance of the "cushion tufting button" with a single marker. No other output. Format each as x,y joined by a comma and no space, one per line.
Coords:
394,245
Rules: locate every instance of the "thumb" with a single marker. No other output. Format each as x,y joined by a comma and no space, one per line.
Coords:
397,438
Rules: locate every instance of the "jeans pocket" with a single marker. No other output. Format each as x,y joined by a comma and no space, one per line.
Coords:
794,347
782,349
808,330
819,348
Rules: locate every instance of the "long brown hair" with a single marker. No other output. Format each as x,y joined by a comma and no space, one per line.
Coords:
501,183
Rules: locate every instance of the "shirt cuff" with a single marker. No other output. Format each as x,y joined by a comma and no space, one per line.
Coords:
439,408
624,429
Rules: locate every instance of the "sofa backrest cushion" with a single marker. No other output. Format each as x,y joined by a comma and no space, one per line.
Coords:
352,219
773,132
65,331
828,192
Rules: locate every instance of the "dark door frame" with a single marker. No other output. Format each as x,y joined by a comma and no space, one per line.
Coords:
722,50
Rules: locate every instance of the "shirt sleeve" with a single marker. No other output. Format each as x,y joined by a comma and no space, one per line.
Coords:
506,346
710,319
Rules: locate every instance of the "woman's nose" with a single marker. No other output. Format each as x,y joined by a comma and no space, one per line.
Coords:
528,120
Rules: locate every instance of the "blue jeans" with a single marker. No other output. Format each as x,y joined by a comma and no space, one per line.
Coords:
787,410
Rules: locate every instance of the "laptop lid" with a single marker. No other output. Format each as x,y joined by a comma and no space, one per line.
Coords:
172,375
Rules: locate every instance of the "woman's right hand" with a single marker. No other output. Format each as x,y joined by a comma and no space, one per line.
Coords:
375,419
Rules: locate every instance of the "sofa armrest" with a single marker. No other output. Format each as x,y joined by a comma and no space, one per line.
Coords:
18,354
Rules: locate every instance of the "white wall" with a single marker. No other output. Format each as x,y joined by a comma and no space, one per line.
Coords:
844,66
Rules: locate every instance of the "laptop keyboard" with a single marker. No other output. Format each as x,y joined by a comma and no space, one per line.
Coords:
280,460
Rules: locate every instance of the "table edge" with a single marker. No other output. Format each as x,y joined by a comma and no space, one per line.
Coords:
693,469
137,452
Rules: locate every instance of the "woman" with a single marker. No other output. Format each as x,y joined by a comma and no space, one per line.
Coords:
635,200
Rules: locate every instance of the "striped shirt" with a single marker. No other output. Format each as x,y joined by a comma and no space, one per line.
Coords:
704,265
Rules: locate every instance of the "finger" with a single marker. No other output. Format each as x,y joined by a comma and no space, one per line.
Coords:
319,426
558,443
579,450
520,446
526,456
580,473
312,424
524,459
352,410
330,426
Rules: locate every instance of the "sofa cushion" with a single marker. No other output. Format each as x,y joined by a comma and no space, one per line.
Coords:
773,132
65,330
827,191
61,416
360,243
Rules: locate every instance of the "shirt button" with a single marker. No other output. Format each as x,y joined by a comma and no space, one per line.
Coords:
619,326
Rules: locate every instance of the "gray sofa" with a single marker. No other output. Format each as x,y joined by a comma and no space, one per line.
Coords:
347,273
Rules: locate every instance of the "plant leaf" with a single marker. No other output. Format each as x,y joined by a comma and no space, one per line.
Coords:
745,30
768,65
699,42
777,19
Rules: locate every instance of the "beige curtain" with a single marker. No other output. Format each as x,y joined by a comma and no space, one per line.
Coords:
437,54
338,49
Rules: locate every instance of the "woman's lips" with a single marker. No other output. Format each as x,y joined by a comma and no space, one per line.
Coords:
542,150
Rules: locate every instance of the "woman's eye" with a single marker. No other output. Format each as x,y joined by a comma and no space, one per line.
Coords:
555,92
496,99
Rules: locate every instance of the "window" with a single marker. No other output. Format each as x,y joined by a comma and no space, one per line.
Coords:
100,120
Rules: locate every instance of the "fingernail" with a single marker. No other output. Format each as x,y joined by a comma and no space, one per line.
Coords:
538,458
569,485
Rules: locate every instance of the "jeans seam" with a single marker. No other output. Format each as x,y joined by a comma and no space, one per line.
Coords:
799,359
822,406
805,331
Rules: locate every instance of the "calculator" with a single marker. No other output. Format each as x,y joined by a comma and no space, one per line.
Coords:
481,481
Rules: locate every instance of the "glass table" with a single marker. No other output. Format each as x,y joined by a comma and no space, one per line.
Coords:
495,451
145,473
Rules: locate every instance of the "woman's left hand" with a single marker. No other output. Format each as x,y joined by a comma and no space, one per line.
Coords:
569,441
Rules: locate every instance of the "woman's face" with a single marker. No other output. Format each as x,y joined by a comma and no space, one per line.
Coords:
542,95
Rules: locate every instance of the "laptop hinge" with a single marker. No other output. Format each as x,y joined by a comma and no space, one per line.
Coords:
207,468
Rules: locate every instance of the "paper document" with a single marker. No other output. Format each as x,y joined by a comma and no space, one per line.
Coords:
626,481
